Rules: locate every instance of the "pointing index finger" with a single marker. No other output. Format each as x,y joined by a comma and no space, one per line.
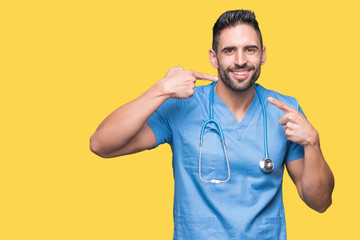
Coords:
204,76
282,106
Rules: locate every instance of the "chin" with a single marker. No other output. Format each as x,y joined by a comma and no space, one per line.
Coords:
242,87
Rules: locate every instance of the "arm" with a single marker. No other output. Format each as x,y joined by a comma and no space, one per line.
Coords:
311,174
125,130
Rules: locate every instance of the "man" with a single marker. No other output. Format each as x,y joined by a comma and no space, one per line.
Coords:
246,204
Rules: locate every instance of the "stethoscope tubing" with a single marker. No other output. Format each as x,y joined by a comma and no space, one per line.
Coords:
266,164
264,122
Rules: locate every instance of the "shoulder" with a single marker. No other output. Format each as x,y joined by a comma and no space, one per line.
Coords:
175,106
202,91
201,94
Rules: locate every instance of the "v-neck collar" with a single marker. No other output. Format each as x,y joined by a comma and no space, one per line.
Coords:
223,114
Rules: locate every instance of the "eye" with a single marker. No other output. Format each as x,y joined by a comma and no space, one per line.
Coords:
229,51
251,50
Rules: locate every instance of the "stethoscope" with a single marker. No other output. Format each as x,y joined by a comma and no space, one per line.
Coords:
266,164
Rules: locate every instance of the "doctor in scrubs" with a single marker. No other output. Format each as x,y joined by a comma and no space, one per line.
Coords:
222,192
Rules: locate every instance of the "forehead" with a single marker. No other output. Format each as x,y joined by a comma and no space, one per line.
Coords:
241,35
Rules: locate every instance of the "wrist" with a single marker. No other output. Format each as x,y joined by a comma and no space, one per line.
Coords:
313,140
163,89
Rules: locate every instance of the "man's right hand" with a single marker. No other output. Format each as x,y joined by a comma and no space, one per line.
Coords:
180,83
125,130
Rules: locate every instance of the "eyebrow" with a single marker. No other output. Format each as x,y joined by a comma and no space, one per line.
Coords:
228,48
251,46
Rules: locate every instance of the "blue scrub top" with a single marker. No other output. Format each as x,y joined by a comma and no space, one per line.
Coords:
250,204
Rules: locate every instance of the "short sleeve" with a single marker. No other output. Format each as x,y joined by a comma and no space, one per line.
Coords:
295,150
161,120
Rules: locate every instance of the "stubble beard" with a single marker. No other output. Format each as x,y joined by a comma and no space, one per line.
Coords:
244,84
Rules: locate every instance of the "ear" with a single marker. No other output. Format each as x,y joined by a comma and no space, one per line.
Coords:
213,59
263,58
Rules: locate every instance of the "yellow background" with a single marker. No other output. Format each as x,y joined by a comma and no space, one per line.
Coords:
65,65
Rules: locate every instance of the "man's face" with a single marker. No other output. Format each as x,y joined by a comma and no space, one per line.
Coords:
239,57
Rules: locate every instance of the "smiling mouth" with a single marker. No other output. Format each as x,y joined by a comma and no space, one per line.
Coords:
241,73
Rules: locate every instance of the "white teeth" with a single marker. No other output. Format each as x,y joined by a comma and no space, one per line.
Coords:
240,73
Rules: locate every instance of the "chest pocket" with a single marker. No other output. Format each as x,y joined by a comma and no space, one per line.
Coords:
213,159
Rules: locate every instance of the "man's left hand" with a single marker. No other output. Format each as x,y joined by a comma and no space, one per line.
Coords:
296,127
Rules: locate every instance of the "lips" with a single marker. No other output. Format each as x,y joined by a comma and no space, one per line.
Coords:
241,73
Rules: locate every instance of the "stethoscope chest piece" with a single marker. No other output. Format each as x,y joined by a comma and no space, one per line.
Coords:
266,165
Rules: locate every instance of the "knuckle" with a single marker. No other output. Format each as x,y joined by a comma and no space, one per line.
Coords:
293,111
190,73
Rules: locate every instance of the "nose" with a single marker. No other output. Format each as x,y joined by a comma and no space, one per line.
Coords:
240,58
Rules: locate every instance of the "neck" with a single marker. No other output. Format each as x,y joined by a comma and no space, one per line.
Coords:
237,102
